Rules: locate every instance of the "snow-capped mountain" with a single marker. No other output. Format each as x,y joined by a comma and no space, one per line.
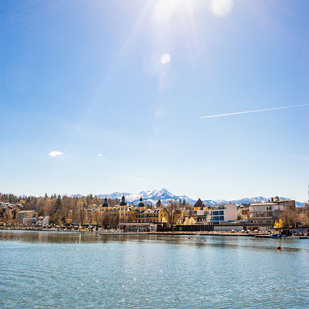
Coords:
115,195
150,197
75,195
247,200
165,196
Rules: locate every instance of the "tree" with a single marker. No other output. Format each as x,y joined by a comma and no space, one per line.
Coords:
109,219
81,211
105,219
48,207
8,217
97,217
96,200
304,213
58,216
114,220
289,217
173,213
58,203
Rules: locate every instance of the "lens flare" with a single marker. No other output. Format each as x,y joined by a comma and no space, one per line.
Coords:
221,8
165,58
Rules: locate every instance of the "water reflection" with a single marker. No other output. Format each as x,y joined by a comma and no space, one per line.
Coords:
199,241
88,270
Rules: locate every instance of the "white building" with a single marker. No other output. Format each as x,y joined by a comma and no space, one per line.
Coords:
225,213
45,220
267,213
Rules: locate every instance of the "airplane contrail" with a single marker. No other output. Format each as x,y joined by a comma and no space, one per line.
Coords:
254,111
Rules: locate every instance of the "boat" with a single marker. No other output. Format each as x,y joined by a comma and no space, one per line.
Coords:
277,235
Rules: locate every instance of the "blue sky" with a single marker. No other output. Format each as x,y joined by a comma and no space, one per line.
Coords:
103,96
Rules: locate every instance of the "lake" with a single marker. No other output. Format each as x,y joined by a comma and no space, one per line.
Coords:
88,270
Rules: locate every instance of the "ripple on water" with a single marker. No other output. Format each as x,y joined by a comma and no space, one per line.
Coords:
151,272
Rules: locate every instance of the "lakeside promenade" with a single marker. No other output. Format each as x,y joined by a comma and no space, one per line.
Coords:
169,233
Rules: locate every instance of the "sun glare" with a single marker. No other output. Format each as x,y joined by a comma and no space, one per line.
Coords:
221,8
165,58
170,20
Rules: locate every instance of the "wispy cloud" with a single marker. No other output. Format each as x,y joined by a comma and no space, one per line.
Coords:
55,153
254,111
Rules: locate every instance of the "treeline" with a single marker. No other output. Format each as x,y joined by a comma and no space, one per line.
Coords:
78,210
9,198
64,209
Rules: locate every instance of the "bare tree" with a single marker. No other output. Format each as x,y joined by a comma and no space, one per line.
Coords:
81,212
8,217
289,216
97,217
172,210
110,219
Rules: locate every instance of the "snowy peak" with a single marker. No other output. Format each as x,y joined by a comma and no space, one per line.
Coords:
165,196
115,195
150,197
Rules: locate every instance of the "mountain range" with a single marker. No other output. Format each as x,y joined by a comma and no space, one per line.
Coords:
152,196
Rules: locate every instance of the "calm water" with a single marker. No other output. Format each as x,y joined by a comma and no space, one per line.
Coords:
73,270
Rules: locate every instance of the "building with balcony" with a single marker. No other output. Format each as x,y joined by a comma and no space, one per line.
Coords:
267,213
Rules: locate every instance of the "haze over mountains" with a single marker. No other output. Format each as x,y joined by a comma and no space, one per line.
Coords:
165,196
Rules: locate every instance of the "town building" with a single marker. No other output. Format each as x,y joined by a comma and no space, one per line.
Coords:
222,213
267,213
125,212
200,212
27,217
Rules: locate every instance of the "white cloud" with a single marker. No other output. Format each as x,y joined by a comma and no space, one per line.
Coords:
55,153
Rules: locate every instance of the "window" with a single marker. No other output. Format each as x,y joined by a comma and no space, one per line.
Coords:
218,218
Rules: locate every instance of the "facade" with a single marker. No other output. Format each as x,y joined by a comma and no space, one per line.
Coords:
200,212
27,217
127,213
45,220
225,213
267,213
138,227
141,214
149,216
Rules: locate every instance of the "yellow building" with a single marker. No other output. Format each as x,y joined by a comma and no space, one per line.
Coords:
140,214
141,206
126,213
199,205
156,215
150,216
200,212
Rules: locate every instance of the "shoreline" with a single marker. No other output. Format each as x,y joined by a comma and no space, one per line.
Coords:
121,233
